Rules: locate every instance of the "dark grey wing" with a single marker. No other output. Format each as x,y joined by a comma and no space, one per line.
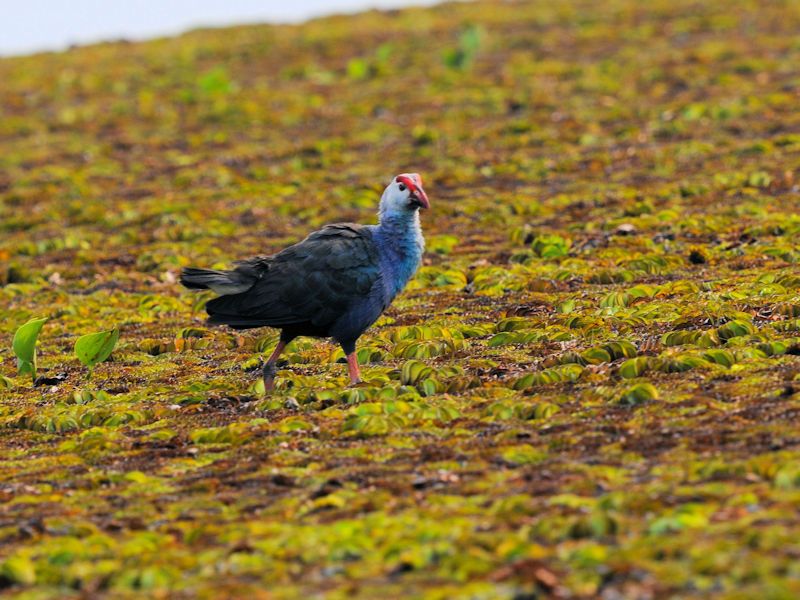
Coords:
315,281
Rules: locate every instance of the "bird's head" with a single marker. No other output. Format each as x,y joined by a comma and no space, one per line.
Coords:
404,195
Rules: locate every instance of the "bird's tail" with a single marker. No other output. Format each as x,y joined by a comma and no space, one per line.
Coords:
223,283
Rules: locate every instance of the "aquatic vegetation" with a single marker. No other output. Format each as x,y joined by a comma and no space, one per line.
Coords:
94,348
590,389
24,346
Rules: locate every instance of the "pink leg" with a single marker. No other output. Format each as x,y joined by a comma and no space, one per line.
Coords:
270,367
352,365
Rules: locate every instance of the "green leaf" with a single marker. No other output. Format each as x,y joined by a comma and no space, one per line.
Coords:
545,410
596,356
469,44
524,455
759,179
513,324
441,244
635,367
19,569
500,339
257,387
566,307
616,299
94,348
357,68
193,332
294,424
549,246
621,349
215,81
639,393
24,346
414,371
429,387
721,357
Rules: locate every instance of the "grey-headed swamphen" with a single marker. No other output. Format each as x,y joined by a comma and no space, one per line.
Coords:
335,283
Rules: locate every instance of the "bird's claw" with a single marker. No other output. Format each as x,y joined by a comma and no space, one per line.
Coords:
268,374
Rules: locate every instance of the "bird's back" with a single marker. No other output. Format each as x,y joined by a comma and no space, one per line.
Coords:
308,286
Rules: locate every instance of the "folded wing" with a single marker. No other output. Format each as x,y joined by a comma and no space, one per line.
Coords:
313,282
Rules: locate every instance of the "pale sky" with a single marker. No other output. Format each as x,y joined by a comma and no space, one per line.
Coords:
28,26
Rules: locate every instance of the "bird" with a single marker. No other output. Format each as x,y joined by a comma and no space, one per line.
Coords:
334,284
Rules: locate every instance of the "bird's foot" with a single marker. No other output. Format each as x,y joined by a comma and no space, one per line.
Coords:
357,383
269,371
352,367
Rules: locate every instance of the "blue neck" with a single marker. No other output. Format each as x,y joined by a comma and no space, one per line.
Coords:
400,243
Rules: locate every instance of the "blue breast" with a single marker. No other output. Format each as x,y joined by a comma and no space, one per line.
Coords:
400,246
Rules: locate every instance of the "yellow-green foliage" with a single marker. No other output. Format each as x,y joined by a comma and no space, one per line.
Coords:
588,391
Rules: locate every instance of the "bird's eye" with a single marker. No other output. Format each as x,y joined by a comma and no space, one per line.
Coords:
402,187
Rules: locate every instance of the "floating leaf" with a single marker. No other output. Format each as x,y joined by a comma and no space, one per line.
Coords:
569,372
524,455
595,356
720,357
18,569
548,246
94,348
441,244
620,349
566,307
469,43
24,346
513,324
635,367
413,371
616,299
545,410
194,332
367,355
429,387
680,338
679,364
636,394
357,69
257,387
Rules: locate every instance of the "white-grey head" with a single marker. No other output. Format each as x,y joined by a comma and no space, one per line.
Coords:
404,196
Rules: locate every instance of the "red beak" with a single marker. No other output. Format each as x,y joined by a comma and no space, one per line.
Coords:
414,183
419,195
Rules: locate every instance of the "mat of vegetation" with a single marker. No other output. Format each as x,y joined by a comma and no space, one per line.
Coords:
591,388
